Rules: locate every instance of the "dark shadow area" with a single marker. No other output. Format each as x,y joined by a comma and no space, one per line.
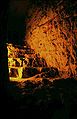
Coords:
4,78
43,99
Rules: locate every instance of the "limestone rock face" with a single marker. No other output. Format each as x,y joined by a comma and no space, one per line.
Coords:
52,32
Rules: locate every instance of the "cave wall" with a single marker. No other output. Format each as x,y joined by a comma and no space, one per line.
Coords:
51,31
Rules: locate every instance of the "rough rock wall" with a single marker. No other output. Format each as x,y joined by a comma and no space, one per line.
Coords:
52,32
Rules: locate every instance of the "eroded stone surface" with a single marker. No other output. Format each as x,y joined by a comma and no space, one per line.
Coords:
52,34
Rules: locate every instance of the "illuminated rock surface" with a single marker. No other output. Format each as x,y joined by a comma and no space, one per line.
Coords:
50,42
52,32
